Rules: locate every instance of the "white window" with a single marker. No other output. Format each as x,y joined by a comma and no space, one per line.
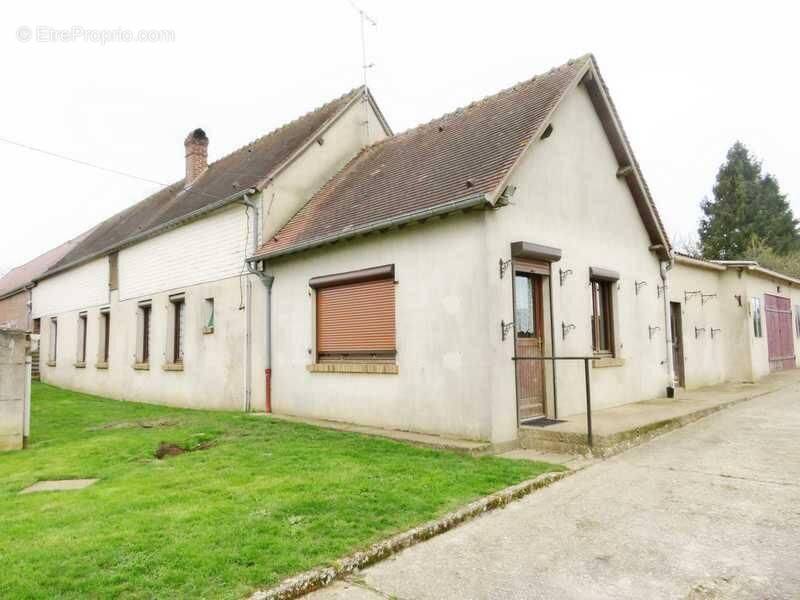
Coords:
53,350
208,315
104,339
80,355
757,328
144,315
176,330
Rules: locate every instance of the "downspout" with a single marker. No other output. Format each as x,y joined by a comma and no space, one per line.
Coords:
665,267
248,299
552,340
267,280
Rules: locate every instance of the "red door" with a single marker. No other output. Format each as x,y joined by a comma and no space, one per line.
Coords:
780,343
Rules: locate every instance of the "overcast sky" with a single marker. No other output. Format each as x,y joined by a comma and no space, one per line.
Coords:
688,78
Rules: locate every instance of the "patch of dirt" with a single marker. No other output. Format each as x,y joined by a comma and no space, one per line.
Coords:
166,449
145,424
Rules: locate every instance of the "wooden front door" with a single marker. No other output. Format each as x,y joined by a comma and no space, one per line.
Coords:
529,341
780,343
676,323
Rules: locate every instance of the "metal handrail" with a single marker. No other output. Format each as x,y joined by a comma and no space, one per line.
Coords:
585,360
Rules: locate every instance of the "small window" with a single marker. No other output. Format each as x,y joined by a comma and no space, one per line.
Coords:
37,326
797,320
177,328
80,357
602,317
144,317
104,341
53,349
756,306
355,317
208,315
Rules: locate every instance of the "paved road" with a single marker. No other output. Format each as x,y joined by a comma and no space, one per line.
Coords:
710,511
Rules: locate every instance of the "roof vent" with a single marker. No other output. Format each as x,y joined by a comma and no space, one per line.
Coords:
470,183
441,128
196,145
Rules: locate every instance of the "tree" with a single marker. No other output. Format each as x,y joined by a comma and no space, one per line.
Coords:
746,206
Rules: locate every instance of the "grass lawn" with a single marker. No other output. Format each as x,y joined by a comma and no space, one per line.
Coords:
264,499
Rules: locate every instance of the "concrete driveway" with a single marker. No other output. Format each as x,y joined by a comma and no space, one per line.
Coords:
708,511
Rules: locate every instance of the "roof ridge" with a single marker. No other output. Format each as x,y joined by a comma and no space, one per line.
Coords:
487,98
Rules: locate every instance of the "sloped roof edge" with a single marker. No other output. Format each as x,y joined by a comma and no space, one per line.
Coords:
355,95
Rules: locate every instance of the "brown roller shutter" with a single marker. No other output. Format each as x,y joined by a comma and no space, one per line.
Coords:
356,320
526,265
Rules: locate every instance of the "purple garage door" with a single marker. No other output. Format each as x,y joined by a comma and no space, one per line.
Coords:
780,342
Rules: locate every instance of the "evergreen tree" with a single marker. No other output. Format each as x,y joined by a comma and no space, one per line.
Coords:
746,206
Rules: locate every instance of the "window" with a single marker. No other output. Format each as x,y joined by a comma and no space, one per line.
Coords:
177,328
208,315
37,326
355,316
105,336
80,357
797,320
602,316
53,351
143,318
756,306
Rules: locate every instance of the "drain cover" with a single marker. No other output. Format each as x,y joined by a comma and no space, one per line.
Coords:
59,485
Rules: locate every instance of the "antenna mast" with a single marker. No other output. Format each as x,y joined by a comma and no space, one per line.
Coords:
364,17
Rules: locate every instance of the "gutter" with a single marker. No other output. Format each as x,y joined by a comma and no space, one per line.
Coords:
456,205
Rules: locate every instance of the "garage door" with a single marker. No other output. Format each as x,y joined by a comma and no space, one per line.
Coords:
779,332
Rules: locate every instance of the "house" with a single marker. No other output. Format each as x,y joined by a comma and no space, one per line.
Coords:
155,304
518,225
16,288
732,321
417,281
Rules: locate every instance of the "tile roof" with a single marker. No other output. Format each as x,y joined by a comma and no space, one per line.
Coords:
18,277
465,154
243,169
458,160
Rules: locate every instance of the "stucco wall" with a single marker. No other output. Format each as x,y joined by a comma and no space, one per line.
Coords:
213,363
441,386
757,285
14,311
568,196
725,356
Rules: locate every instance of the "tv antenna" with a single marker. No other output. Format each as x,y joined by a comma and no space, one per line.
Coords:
364,19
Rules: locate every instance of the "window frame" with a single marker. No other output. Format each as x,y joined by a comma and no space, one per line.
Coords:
797,320
104,336
758,328
144,323
82,338
351,279
52,350
602,288
177,329
209,315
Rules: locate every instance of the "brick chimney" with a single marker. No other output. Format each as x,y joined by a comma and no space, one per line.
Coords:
196,145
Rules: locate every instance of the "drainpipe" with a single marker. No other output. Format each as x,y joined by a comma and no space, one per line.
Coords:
267,280
248,298
665,268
